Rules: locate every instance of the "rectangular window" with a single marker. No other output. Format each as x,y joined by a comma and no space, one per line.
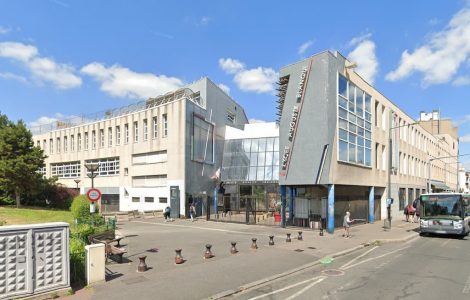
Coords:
126,133
58,145
384,118
118,135
65,144
51,146
162,200
93,139
402,198
101,138
44,144
110,136
107,166
384,159
149,181
87,141
79,142
149,199
66,169
136,132
135,199
145,130
72,143
150,157
155,127
165,125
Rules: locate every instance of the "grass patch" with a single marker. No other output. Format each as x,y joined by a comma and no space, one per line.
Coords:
31,215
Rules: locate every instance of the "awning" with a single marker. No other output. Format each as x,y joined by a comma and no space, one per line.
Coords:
439,185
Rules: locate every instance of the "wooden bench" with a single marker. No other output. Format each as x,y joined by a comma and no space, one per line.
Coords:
112,250
107,238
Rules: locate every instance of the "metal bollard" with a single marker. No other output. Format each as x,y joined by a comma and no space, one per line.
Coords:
288,240
299,237
178,258
271,240
142,267
254,246
208,254
233,250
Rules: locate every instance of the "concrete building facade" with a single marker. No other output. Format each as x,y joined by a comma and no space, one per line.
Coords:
151,154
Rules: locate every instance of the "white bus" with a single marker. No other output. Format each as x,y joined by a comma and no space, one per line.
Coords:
445,213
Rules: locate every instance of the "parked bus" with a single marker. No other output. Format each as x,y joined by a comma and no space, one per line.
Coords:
445,213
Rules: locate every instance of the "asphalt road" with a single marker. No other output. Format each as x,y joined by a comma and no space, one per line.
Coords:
423,268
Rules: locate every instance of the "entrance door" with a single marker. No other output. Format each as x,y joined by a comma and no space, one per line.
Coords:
175,202
110,202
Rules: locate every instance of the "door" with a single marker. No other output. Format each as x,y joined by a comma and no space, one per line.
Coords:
110,202
175,202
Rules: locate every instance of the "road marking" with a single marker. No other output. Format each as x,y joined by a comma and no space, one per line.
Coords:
466,288
376,257
285,288
356,258
306,288
445,243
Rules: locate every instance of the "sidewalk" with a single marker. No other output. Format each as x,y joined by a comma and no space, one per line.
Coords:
198,278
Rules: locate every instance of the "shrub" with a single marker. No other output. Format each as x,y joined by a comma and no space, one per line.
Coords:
77,261
80,208
82,231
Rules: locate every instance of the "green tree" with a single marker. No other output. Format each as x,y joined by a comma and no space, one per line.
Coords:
19,158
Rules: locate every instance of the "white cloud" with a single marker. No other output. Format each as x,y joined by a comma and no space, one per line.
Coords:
231,66
358,39
461,81
4,30
122,82
252,121
224,88
43,69
465,138
364,56
439,58
11,76
304,47
45,120
259,80
204,20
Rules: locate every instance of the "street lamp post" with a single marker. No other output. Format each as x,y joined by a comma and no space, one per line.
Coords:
77,181
92,168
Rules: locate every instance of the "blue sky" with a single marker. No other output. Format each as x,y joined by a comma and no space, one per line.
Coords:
62,58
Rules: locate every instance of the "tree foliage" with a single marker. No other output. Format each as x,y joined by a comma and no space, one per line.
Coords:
19,159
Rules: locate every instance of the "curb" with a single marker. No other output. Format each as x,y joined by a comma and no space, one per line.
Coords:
306,266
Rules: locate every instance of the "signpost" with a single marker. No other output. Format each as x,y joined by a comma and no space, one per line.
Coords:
93,195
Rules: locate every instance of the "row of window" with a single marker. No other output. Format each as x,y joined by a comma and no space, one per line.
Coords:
72,169
112,137
412,195
150,199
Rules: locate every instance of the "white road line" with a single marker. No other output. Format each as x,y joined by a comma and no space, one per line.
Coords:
376,257
356,258
285,288
306,288
466,288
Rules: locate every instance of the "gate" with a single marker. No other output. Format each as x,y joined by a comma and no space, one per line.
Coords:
33,259
235,209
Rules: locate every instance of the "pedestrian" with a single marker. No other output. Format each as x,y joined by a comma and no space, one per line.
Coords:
347,221
407,216
411,213
417,206
192,211
166,214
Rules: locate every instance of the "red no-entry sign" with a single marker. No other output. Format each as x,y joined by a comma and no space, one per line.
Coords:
93,194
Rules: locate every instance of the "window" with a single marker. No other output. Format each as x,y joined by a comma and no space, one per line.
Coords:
162,200
93,140
65,144
42,171
126,133
402,198
150,157
86,141
135,199
107,166
44,144
384,159
118,135
110,136
354,124
126,171
66,169
231,117
148,199
51,146
101,138
384,118
145,130
165,125
155,127
79,142
58,145
136,132
72,143
149,181
202,140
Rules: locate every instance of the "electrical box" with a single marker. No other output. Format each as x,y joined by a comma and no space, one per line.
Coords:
95,263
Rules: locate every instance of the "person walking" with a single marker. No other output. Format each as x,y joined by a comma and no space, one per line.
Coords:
166,214
347,221
411,213
192,211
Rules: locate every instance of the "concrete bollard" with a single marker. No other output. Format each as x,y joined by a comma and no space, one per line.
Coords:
288,240
178,258
299,237
142,267
254,246
271,240
233,250
208,254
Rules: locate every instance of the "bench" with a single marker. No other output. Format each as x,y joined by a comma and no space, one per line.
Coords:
112,250
107,238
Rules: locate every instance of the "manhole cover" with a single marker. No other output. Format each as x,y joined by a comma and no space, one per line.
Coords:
311,248
152,250
333,272
298,250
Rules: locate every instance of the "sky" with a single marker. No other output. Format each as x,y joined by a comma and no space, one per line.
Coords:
64,58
